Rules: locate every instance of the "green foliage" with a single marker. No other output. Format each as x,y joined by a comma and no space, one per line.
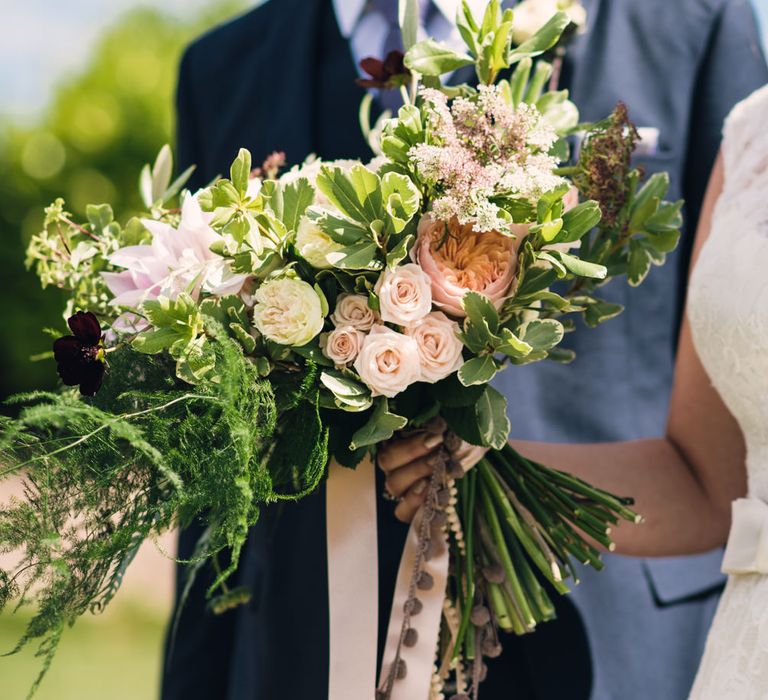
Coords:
146,455
483,422
87,148
381,426
347,392
489,44
377,215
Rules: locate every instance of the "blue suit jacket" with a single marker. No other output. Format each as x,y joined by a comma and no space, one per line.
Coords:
280,77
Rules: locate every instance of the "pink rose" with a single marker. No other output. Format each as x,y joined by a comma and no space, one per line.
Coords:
457,259
404,294
388,362
353,310
439,346
342,345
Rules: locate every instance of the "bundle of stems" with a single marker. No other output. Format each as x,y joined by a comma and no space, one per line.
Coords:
524,526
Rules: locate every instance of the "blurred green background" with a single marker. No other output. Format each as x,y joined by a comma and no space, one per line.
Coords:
87,142
86,98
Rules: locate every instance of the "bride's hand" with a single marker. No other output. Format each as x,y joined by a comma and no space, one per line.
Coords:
408,464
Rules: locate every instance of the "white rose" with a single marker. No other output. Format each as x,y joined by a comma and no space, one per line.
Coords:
314,244
287,311
439,346
388,362
353,310
405,294
532,15
342,345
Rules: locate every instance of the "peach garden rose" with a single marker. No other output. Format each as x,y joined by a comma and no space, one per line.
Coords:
459,260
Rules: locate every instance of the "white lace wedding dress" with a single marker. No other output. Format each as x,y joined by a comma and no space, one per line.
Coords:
728,310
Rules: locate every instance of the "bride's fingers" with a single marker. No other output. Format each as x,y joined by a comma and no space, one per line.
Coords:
412,501
401,480
395,454
468,455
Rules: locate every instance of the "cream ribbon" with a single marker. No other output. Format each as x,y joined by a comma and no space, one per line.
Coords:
420,658
747,549
353,593
353,581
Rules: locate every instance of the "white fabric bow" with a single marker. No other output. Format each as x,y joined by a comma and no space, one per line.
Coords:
747,549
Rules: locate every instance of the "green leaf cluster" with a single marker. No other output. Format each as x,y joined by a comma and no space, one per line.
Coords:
477,413
146,455
488,42
376,222
492,341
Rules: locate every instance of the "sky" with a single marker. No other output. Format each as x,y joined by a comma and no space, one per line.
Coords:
63,33
43,40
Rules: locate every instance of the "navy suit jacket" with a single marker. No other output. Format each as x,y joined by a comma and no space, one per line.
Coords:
281,78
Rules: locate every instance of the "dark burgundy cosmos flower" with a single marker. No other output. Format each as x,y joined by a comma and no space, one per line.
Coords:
80,357
389,73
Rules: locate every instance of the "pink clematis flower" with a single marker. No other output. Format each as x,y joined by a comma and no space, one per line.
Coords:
177,260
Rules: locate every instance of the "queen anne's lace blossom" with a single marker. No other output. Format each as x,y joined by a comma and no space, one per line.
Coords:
483,147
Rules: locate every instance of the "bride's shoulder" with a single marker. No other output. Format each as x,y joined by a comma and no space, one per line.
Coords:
744,134
752,110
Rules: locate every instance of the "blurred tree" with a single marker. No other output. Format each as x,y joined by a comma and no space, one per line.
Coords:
101,126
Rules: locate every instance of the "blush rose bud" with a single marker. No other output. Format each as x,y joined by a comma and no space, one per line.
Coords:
388,362
353,310
342,345
404,294
439,346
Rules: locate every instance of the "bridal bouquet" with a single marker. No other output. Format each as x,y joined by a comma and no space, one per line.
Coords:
229,343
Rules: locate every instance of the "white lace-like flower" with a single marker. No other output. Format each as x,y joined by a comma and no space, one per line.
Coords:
483,147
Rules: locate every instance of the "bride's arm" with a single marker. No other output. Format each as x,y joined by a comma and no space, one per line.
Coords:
683,483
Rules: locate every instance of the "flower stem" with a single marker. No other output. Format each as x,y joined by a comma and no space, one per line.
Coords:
513,581
469,485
